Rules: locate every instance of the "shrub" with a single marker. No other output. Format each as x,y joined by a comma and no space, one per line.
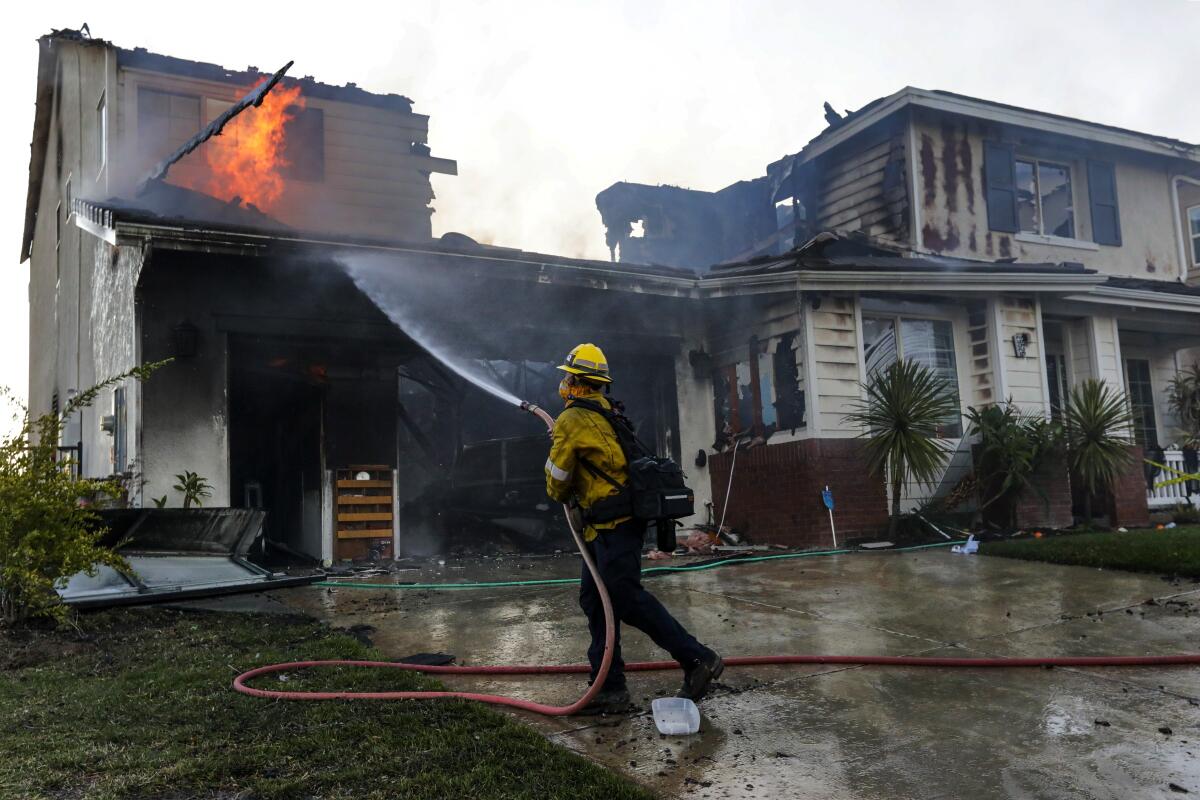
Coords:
1013,445
48,528
1183,397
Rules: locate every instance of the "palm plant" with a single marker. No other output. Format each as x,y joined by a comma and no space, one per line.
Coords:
1183,396
904,407
1013,445
1097,429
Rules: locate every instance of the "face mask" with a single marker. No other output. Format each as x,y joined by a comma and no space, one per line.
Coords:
568,390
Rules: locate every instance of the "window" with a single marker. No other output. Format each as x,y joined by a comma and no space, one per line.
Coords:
1141,402
304,144
1044,201
927,341
761,391
1194,233
1056,380
101,132
166,120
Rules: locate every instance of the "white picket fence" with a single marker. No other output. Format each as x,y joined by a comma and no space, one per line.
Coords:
1176,493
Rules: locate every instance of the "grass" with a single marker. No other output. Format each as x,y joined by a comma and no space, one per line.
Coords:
138,703
1174,551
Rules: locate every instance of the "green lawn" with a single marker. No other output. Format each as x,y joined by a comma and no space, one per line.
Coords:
138,704
1171,552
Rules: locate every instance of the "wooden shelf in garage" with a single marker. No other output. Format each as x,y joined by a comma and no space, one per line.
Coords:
363,511
366,533
372,516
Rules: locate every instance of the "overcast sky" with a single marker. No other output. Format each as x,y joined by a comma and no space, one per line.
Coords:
543,104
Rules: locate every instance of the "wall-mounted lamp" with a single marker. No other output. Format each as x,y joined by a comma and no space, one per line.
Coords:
185,340
1020,344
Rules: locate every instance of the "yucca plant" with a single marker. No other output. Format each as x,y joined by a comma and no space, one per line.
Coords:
1097,427
904,406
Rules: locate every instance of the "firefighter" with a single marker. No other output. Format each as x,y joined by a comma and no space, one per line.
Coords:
616,545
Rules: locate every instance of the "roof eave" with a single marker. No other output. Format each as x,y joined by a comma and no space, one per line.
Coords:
964,106
1140,298
595,275
925,282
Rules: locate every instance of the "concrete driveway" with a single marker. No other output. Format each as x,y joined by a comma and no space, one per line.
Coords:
859,732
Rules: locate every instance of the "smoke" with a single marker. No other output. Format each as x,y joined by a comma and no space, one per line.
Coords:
429,311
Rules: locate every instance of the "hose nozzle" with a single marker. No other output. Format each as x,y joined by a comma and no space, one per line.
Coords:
538,412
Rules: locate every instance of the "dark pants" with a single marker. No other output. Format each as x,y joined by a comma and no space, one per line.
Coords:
618,557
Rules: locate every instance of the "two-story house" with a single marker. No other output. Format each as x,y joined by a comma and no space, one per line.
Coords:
287,267
1016,252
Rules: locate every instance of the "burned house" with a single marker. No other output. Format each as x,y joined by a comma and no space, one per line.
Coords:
323,344
1014,252
298,295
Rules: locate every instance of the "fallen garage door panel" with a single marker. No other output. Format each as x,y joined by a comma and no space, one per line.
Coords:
196,553
158,579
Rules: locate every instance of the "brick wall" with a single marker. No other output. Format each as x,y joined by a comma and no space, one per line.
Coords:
1128,504
1053,510
776,494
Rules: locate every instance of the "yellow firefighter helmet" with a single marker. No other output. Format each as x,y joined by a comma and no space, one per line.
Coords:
588,362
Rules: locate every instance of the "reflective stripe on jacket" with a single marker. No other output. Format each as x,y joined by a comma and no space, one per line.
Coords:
581,433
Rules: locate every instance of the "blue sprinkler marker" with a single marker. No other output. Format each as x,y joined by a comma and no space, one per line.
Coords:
827,499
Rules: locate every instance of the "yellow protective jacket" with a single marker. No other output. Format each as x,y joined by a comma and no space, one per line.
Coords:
582,433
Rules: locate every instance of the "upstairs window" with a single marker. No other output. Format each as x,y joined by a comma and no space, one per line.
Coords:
929,342
1045,204
166,120
1194,233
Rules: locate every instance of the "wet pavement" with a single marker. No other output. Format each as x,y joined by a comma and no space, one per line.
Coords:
838,732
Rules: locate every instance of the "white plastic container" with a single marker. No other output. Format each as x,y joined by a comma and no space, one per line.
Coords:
675,716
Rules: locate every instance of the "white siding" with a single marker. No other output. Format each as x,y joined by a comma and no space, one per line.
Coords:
837,366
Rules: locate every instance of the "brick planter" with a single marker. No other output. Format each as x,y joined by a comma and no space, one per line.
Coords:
1054,509
1127,506
776,494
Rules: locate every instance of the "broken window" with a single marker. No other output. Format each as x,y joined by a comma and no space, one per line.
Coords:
1044,201
166,120
758,390
929,342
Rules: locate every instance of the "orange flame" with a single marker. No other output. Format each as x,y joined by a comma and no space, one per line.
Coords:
246,160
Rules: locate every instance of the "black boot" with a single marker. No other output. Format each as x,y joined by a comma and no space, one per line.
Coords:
700,676
608,701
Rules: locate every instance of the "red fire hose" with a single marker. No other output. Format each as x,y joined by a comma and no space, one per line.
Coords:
239,683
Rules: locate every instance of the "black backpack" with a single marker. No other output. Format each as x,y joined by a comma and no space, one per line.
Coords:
656,491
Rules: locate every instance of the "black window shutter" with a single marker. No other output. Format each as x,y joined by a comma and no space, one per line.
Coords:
1000,169
1102,192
